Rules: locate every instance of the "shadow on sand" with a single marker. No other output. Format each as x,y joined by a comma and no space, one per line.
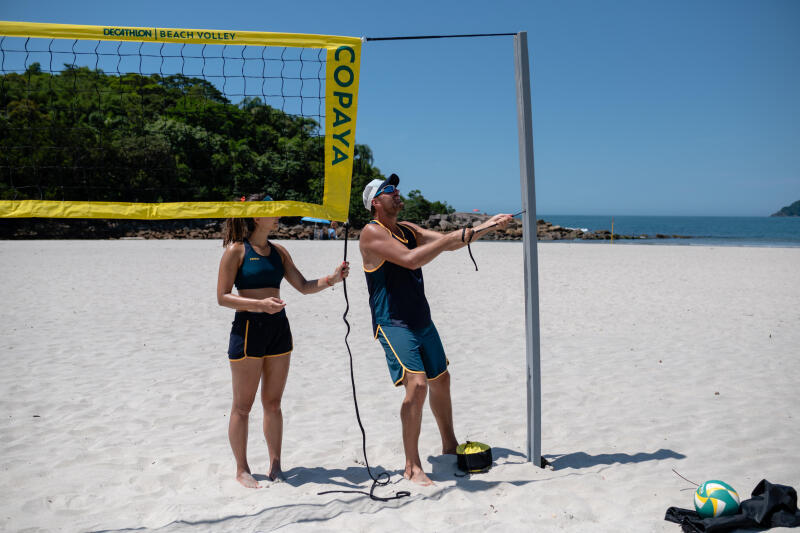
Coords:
584,460
315,509
443,469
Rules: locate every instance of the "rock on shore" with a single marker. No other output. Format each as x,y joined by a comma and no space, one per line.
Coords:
545,231
212,229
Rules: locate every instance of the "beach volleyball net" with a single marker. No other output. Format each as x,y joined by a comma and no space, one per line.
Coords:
164,123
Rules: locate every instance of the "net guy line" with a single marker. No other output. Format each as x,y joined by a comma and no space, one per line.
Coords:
411,37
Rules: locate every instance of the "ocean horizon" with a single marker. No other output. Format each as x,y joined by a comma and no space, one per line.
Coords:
701,230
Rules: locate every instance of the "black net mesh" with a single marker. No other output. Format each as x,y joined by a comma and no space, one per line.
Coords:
159,122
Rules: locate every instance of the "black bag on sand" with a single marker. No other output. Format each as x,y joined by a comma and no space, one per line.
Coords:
474,457
769,506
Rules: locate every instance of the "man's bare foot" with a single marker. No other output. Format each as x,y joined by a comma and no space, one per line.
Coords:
247,480
275,472
417,475
449,445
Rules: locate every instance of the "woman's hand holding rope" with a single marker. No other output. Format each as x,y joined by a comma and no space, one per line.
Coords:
341,272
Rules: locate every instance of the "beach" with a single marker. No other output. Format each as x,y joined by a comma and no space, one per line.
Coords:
115,392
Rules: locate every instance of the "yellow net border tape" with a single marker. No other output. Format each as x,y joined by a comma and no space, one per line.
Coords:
161,211
172,35
341,104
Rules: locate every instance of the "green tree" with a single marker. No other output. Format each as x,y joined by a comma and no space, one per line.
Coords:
83,134
417,209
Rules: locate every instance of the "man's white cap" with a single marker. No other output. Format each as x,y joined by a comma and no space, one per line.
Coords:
375,186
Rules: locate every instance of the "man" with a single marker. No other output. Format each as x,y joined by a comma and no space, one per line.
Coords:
393,253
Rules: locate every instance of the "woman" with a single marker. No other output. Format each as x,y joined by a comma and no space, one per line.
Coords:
261,340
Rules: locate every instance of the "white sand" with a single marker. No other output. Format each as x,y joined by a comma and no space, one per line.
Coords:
115,389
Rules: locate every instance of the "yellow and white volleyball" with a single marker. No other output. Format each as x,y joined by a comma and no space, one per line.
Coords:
715,498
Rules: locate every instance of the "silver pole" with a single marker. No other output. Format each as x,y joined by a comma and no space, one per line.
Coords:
527,185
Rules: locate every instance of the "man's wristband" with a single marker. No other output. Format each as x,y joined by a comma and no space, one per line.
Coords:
328,281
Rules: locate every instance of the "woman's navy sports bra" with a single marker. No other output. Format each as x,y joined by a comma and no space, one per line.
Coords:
259,271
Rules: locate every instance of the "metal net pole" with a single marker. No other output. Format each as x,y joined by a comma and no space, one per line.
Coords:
527,185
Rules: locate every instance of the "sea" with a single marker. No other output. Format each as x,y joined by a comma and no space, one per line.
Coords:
703,231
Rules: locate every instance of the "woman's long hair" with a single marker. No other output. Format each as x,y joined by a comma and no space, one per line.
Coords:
238,229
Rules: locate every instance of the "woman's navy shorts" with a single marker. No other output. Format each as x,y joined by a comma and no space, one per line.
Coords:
259,335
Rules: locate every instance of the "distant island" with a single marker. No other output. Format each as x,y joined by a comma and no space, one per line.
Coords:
789,211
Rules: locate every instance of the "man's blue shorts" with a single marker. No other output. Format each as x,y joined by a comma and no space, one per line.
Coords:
418,351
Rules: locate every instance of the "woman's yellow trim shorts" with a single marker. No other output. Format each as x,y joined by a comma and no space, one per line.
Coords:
418,351
259,335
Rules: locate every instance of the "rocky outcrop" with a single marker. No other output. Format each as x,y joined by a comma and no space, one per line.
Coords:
545,231
40,228
789,211
44,228
212,229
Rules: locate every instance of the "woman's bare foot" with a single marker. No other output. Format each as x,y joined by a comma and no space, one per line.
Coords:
275,472
417,475
247,480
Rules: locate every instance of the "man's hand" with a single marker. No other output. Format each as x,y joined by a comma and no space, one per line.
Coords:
500,221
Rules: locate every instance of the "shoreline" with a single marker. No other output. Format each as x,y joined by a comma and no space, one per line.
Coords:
711,242
33,229
711,231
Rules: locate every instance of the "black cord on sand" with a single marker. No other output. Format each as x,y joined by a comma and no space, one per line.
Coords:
383,477
689,480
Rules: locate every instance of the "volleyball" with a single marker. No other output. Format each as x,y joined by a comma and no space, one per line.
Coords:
715,498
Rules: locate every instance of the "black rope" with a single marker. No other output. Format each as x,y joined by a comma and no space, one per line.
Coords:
472,234
409,37
376,481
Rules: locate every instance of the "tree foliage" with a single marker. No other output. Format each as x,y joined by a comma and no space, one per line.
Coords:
417,209
82,134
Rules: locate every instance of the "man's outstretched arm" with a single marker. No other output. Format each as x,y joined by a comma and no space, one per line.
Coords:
377,245
500,221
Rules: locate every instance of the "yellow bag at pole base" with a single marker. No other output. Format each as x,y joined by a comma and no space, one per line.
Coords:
473,457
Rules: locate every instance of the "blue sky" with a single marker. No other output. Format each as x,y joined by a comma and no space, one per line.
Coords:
639,107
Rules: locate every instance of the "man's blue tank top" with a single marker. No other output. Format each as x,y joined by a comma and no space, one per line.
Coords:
397,294
259,271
